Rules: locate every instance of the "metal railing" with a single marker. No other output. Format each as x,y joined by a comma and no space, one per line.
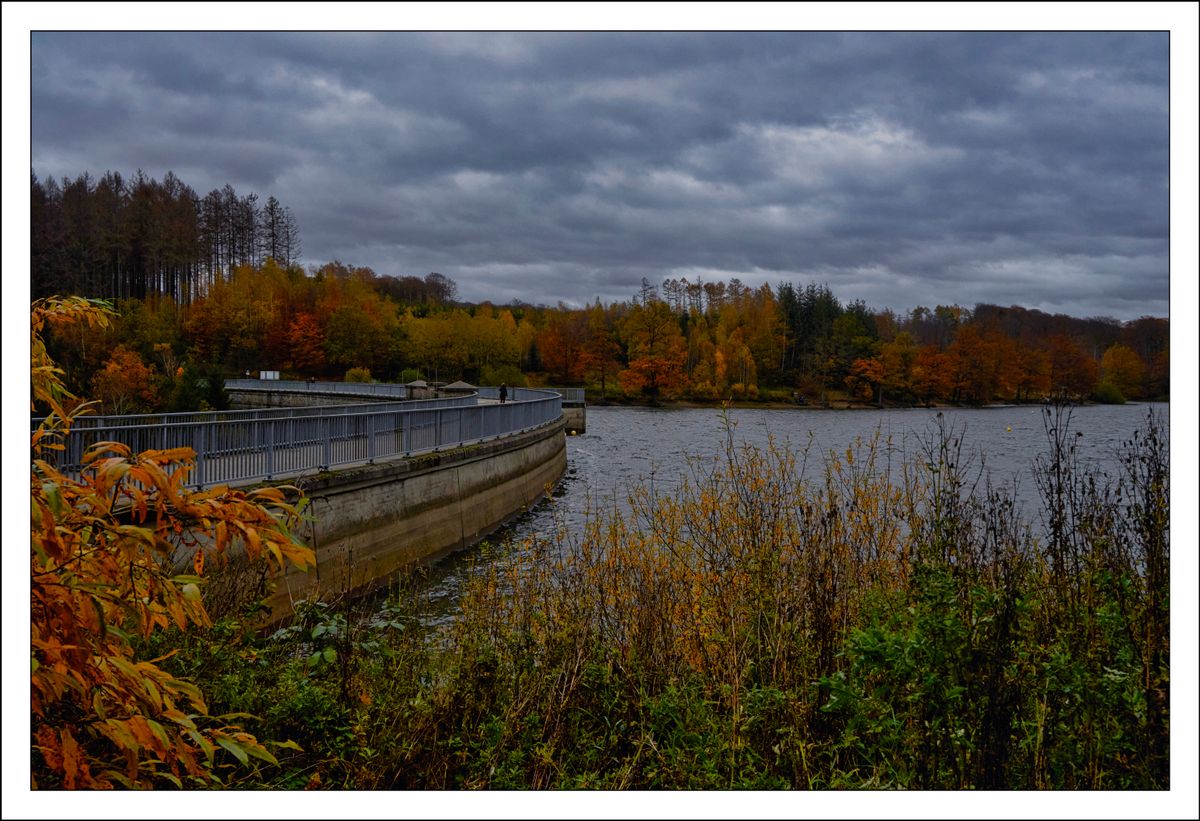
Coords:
372,389
574,396
88,422
269,445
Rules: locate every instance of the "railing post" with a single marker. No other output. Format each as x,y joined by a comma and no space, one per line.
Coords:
370,438
200,444
327,450
270,446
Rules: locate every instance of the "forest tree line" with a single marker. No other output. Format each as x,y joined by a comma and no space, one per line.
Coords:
796,343
138,238
211,287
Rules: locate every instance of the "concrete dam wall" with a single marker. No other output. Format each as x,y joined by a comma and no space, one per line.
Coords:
373,521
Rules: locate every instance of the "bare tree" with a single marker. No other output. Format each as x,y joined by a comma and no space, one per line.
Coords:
441,289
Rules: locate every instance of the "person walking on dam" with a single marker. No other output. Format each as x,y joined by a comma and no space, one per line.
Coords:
503,392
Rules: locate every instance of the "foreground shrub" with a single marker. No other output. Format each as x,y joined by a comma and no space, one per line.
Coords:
103,578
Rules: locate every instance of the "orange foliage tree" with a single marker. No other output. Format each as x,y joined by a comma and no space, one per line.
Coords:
931,378
1032,378
865,380
105,555
972,365
1072,372
562,344
657,351
1160,374
306,341
125,384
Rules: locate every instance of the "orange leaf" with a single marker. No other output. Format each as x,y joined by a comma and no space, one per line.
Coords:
70,759
198,562
169,455
253,542
141,730
50,747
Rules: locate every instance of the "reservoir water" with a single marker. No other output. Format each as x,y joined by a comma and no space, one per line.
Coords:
627,446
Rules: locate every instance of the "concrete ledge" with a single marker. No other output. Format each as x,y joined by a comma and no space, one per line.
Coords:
575,417
372,521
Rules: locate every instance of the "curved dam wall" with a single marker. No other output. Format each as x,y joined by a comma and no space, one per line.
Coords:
254,394
372,521
243,398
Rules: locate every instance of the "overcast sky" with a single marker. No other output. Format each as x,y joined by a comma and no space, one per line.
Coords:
904,169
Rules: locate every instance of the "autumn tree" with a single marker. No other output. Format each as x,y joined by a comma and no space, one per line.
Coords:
982,362
931,375
1032,373
206,326
1122,368
145,325
561,343
744,328
494,352
656,351
1072,372
1160,375
360,325
437,345
306,344
897,358
738,364
355,338
126,384
600,357
706,368
865,379
104,577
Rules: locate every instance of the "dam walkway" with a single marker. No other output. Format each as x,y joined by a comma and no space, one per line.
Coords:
342,425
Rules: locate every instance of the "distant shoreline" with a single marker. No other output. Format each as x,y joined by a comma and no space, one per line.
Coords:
839,404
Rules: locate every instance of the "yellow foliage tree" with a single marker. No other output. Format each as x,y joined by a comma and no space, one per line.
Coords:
104,555
1121,367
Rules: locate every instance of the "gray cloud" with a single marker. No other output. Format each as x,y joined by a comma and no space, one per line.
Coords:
903,169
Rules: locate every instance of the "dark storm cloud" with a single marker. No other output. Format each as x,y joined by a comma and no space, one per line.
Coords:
903,169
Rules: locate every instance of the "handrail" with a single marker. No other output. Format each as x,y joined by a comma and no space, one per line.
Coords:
89,421
246,449
575,396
